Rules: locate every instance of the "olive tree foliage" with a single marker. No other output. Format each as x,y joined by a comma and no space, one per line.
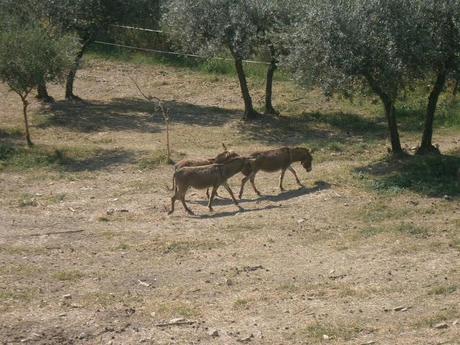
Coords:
208,26
345,45
28,57
438,28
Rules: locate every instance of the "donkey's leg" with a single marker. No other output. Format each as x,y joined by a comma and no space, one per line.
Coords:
173,201
291,169
283,171
182,199
213,194
251,179
243,182
229,190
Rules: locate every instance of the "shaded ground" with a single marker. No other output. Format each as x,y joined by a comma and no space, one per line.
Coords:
89,256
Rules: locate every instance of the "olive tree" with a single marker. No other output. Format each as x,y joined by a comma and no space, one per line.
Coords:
271,18
28,56
344,45
85,18
209,26
438,27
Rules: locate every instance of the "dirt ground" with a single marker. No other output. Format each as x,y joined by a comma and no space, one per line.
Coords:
88,254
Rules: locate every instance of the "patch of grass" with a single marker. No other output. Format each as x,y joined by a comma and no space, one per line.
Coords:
371,231
22,250
157,158
317,331
22,270
56,198
27,200
381,210
99,299
176,309
442,290
122,246
335,146
241,304
18,295
430,175
440,316
19,158
11,133
71,276
412,230
183,247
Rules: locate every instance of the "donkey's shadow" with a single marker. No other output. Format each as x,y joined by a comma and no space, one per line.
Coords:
283,196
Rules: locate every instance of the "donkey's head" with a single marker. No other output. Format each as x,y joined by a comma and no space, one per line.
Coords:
225,155
306,159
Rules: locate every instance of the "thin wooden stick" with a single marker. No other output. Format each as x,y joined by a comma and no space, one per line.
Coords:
164,113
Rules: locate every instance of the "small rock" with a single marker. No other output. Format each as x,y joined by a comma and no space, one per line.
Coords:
370,342
447,197
213,332
110,211
455,323
301,220
62,315
246,339
441,325
143,283
400,308
229,282
326,337
177,319
67,296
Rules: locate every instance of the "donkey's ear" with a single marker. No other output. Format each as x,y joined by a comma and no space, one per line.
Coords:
225,147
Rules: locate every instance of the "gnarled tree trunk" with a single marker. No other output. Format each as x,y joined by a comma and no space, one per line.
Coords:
390,114
269,88
25,104
426,145
69,95
249,112
42,93
455,89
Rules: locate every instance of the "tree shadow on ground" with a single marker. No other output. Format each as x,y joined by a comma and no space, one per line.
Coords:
309,127
130,114
20,157
101,160
433,175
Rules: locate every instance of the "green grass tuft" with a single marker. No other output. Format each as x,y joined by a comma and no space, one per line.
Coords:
430,175
157,158
68,275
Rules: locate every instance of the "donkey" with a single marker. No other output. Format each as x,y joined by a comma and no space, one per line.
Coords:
275,160
200,177
220,158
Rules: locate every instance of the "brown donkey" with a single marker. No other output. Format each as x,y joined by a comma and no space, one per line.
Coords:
201,177
222,157
275,160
